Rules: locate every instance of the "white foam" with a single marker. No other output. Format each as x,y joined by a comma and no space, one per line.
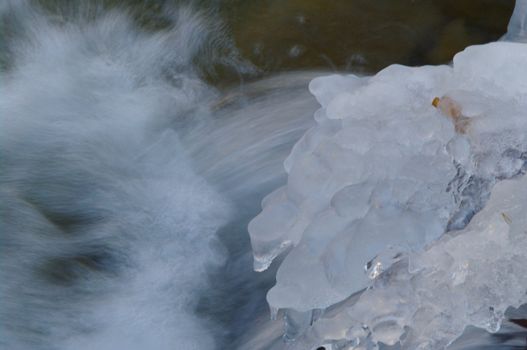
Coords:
108,234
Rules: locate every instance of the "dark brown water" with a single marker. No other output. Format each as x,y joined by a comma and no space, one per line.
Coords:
353,35
361,34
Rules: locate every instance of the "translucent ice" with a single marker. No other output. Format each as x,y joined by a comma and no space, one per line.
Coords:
426,299
384,173
517,29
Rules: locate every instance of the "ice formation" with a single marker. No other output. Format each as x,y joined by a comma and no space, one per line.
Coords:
517,29
426,299
382,175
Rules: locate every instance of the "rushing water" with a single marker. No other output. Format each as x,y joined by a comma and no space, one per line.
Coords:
139,137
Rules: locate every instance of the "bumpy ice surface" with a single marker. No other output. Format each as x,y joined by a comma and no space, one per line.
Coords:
384,173
471,277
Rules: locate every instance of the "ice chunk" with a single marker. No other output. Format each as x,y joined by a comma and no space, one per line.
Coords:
383,170
517,29
325,89
469,278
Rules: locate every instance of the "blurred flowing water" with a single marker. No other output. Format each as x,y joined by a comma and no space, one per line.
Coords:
139,137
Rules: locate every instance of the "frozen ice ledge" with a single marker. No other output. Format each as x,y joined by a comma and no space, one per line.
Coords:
375,185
